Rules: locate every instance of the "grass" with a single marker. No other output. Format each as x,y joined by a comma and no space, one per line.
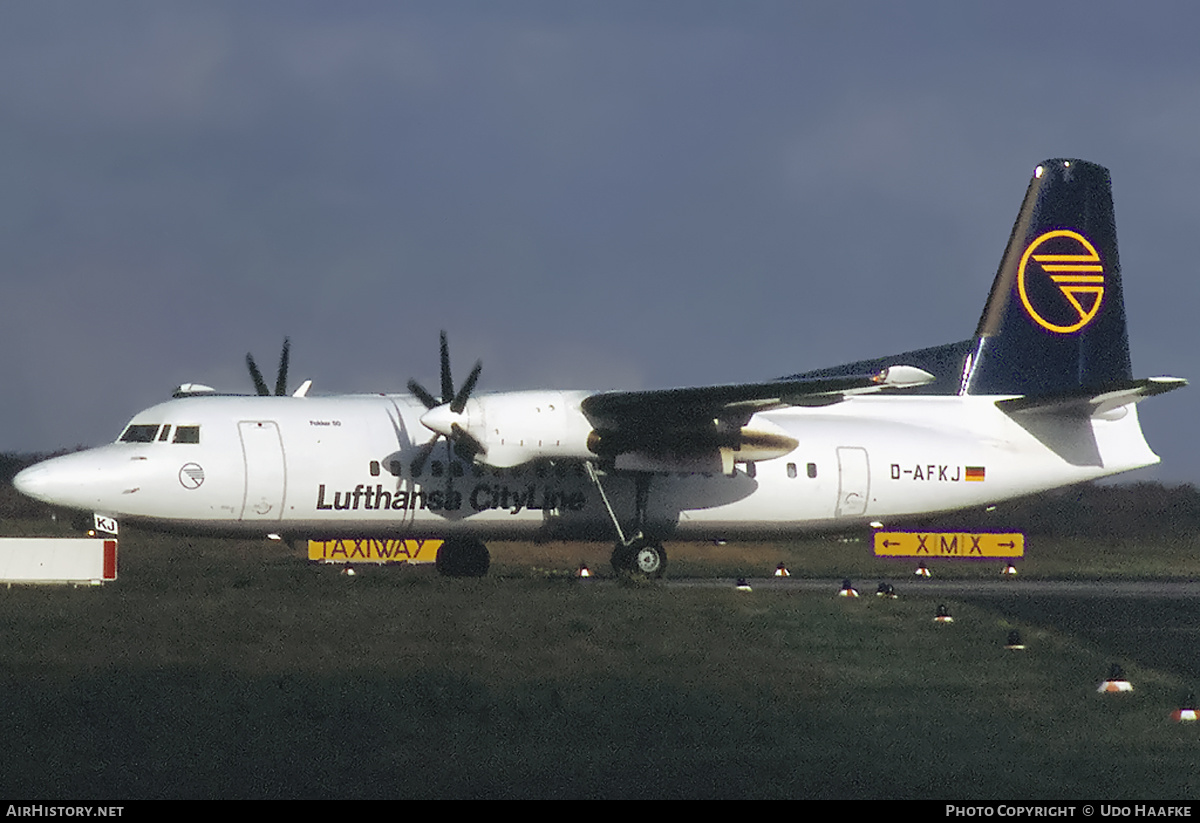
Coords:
232,669
1046,558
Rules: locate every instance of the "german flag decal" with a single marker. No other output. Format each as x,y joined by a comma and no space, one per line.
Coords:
974,473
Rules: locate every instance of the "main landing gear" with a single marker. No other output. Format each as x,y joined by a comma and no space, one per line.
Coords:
463,557
638,554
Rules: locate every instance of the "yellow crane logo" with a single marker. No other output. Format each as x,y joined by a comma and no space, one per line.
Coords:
1073,265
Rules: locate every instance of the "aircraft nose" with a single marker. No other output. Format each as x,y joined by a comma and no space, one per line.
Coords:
35,481
76,480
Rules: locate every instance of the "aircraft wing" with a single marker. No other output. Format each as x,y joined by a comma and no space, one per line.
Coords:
666,409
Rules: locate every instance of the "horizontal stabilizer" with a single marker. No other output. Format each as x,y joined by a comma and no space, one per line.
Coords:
1092,402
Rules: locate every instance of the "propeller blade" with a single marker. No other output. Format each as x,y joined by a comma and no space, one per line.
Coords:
428,399
458,440
281,379
460,400
260,385
465,444
447,383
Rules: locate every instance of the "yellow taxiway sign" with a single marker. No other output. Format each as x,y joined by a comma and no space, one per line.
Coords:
949,544
373,551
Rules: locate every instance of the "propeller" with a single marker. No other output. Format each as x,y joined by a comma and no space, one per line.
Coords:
443,415
260,385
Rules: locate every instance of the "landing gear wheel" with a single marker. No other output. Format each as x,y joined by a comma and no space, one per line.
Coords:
622,559
463,557
650,560
642,559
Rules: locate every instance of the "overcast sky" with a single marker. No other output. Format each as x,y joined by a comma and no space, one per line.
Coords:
584,195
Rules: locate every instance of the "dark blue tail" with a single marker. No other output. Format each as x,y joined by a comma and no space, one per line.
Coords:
1054,322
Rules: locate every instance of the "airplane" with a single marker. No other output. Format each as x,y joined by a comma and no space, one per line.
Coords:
1041,396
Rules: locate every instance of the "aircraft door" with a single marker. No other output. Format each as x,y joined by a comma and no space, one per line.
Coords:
854,481
262,449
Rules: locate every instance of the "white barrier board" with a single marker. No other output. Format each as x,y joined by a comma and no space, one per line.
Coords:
57,560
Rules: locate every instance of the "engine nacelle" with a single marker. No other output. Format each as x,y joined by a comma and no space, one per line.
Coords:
711,450
517,427
514,428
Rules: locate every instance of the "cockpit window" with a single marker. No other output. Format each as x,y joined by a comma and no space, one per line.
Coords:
166,432
140,433
187,434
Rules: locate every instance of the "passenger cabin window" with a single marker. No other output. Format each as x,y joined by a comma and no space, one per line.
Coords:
140,433
812,469
187,434
791,470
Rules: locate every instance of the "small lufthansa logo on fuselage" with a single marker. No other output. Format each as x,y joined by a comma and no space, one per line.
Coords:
191,475
1072,264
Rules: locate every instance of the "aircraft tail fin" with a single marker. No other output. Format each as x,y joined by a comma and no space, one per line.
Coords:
1054,321
1053,328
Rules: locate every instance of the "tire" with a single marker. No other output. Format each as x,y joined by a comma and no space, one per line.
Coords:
622,559
463,557
649,561
643,559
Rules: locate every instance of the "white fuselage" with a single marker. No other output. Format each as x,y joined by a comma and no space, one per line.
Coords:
313,467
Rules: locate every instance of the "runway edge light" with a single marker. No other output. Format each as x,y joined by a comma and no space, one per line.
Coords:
1186,713
1116,681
